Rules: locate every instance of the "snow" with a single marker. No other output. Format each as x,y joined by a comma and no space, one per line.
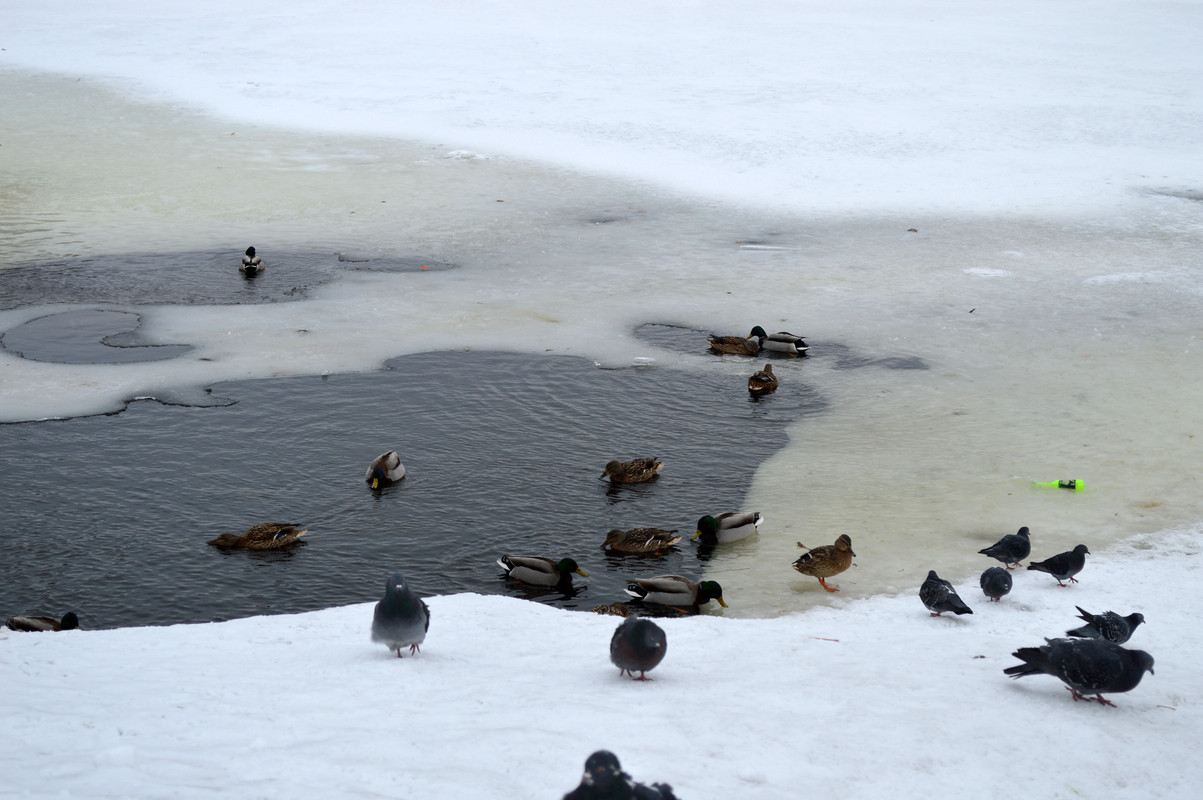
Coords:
825,108
507,698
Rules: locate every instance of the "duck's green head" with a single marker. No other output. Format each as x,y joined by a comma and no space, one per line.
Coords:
707,526
710,590
757,332
69,621
568,565
377,477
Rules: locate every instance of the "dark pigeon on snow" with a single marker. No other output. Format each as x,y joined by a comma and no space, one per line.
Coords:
637,644
996,583
1108,625
605,780
1085,666
1063,566
401,619
939,596
1010,549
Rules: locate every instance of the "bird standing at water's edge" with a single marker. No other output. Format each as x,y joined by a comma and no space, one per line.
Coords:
637,644
401,619
826,560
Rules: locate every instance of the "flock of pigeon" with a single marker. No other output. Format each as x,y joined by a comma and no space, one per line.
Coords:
1090,660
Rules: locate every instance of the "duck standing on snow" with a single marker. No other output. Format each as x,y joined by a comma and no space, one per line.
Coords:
401,619
251,264
264,536
541,571
385,470
826,560
34,623
780,342
637,470
640,540
638,644
730,526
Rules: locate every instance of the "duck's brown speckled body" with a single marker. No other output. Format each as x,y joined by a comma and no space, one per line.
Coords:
823,562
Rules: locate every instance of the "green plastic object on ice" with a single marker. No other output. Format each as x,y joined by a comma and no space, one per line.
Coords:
1077,486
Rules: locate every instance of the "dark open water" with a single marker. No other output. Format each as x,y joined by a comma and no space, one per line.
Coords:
109,515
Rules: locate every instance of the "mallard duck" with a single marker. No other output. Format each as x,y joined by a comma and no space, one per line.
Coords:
264,536
33,623
734,345
615,609
1063,566
674,590
780,342
827,560
251,263
386,469
637,644
640,540
540,571
730,526
401,619
763,382
637,470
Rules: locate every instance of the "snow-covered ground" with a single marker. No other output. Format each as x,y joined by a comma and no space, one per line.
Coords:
1090,110
865,699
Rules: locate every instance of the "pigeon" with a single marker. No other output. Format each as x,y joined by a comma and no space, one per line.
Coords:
996,583
1108,625
637,644
1010,549
1085,666
1063,566
401,619
939,596
605,780
34,624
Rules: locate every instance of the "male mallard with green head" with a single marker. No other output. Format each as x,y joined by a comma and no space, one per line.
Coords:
385,470
640,540
763,382
264,536
827,560
676,591
34,623
730,526
251,264
541,571
637,470
780,342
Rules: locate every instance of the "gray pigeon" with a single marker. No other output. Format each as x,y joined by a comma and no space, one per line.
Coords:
605,780
996,583
401,619
939,596
1010,549
1108,625
637,644
1063,566
1085,666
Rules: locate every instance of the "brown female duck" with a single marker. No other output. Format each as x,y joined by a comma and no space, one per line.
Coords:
637,470
823,562
264,536
640,540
